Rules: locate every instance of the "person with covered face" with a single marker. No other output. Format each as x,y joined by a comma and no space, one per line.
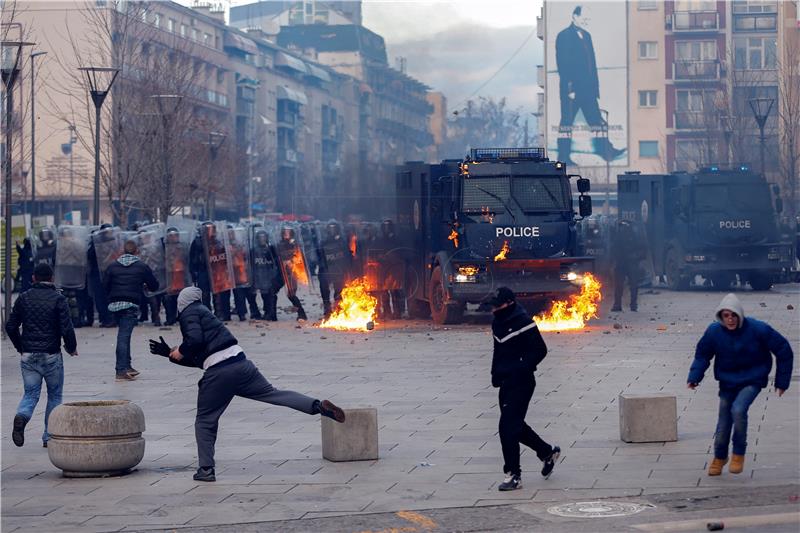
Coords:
742,349
628,251
208,344
267,278
518,349
25,264
198,265
335,265
46,250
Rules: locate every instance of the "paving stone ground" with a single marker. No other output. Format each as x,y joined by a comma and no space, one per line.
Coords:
437,416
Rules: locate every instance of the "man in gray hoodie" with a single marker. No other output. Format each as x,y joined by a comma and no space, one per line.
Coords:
742,349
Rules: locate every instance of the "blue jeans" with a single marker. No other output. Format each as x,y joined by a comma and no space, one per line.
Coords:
36,367
733,407
126,321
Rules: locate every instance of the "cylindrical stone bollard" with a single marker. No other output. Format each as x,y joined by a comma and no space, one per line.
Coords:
96,438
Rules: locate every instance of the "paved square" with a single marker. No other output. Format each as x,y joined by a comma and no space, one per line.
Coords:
437,416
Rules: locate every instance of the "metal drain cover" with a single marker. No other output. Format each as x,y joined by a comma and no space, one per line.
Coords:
598,509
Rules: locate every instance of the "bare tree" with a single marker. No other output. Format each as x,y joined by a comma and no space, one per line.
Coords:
788,109
489,123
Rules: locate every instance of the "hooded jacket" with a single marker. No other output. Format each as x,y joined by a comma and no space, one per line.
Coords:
124,279
203,333
518,345
743,356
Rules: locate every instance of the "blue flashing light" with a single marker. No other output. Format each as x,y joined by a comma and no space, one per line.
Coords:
744,168
714,169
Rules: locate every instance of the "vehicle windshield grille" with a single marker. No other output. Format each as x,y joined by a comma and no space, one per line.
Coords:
541,193
738,197
476,197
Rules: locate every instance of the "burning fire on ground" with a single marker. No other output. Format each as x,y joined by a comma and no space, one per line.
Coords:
575,312
453,237
355,309
503,252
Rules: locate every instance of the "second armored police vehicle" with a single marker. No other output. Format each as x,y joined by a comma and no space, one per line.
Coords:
499,217
717,223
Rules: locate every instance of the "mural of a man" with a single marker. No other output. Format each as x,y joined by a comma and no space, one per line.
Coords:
579,88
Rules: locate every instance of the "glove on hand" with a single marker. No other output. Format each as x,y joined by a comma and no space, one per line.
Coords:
160,348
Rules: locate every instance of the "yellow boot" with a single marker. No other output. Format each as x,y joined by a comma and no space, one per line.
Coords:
737,464
715,468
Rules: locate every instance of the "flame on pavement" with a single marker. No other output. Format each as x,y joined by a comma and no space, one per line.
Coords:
353,244
453,237
355,308
503,252
298,267
575,312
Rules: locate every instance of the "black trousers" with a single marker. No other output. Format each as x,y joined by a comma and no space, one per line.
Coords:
240,301
269,301
514,397
235,377
393,303
326,279
171,308
222,305
631,274
250,295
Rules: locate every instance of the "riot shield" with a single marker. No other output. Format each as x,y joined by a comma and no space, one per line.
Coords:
391,263
107,247
176,260
266,272
44,246
292,258
72,248
237,245
151,252
220,271
309,237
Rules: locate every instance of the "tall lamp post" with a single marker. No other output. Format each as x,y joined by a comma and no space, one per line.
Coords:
215,140
34,55
167,107
761,108
10,53
100,81
67,149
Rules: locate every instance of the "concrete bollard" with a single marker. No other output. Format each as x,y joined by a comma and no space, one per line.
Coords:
648,417
355,440
97,438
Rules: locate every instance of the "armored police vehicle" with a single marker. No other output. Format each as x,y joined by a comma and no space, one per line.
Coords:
717,223
499,217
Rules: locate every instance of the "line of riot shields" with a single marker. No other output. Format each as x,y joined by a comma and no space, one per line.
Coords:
225,260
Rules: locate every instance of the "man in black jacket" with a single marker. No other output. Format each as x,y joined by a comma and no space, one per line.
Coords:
124,281
518,348
43,313
209,345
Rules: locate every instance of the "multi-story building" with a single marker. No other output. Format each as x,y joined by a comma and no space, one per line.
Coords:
260,126
692,68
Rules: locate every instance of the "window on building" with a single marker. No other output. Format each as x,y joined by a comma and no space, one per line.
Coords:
157,20
695,100
755,53
648,98
220,75
195,34
755,6
755,22
207,39
648,50
184,29
689,155
695,50
741,103
695,5
647,5
171,25
648,148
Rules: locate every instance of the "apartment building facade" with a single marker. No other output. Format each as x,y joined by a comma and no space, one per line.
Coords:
692,68
293,134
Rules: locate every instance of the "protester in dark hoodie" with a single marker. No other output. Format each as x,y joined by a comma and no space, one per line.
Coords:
25,263
518,348
209,345
742,350
43,314
123,283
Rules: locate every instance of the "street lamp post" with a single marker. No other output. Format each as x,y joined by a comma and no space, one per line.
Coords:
167,107
34,55
215,140
100,81
10,52
68,149
761,108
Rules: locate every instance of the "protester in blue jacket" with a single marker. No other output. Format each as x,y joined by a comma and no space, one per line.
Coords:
742,350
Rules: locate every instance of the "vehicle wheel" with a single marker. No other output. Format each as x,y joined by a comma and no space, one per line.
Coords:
443,312
760,281
675,281
722,280
419,309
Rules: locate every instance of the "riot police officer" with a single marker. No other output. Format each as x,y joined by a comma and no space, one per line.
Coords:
267,278
46,251
334,265
238,256
392,271
627,252
288,252
199,266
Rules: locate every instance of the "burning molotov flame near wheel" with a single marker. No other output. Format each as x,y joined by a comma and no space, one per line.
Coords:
575,312
501,256
355,309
